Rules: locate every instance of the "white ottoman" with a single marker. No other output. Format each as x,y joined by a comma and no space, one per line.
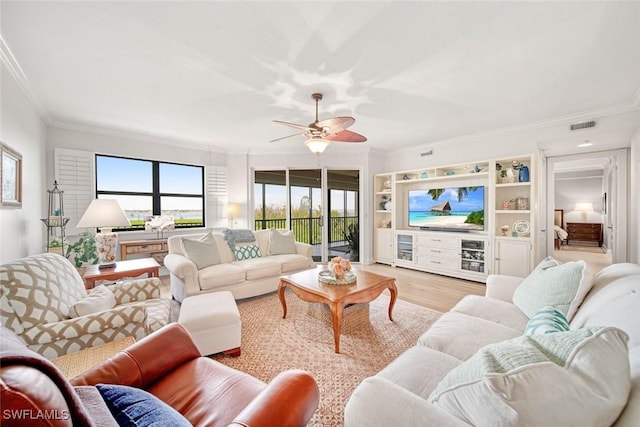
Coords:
213,320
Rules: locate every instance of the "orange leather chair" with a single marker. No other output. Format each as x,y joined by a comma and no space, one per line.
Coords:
168,365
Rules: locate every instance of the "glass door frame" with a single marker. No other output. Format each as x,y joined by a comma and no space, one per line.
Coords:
326,213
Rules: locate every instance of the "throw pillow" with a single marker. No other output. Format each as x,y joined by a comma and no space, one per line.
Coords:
135,407
281,242
547,321
563,286
203,251
99,299
246,252
573,378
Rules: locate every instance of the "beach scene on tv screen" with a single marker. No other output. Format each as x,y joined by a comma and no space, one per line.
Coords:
461,207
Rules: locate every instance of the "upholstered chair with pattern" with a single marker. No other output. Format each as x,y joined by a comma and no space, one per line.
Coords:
43,299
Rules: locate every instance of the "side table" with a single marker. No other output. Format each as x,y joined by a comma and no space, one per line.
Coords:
129,268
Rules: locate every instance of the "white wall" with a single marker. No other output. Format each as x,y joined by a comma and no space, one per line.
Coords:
128,145
465,150
21,231
634,202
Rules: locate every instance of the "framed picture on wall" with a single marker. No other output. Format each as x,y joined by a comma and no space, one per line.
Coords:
10,177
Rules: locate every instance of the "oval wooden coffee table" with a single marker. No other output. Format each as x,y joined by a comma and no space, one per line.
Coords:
367,287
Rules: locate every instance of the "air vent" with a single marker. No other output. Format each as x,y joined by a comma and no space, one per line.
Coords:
583,125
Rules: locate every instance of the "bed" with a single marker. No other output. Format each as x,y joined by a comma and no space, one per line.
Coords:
560,234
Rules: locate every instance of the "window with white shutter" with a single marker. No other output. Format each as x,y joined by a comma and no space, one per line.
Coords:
74,171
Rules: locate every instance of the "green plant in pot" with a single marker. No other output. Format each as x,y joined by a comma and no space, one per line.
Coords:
352,236
83,250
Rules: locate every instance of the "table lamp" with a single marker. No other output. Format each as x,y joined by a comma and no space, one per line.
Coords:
233,211
104,214
584,207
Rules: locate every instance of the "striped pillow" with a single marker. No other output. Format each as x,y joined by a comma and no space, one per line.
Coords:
547,321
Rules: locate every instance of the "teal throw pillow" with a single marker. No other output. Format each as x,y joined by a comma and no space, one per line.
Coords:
563,286
133,407
203,252
247,252
547,321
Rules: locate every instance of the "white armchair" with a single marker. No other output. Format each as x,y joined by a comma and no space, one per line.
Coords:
38,292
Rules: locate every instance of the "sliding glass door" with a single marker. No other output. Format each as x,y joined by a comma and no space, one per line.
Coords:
319,206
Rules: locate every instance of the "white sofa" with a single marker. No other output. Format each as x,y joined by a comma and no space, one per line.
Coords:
399,394
246,278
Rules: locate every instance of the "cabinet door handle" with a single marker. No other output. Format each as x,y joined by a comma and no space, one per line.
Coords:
436,262
436,251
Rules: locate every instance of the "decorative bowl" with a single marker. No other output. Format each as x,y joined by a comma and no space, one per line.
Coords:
326,276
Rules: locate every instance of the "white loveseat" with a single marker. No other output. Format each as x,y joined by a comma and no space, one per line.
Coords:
246,278
400,393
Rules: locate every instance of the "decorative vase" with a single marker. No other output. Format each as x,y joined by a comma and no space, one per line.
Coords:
524,174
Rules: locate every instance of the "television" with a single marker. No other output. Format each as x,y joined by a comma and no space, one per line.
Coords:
448,208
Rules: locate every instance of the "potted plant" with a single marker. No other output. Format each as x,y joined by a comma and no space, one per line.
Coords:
352,236
83,250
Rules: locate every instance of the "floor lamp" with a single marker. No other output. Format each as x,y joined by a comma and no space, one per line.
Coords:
104,214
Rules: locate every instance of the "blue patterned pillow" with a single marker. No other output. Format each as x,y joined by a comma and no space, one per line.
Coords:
132,406
247,252
547,320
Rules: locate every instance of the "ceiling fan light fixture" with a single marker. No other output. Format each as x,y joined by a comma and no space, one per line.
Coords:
317,145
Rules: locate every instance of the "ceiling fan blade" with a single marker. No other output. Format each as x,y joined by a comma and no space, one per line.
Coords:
289,136
346,136
336,124
293,125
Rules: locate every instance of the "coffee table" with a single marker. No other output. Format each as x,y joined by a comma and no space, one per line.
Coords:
122,269
367,287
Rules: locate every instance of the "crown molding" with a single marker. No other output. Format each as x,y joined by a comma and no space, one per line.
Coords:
566,119
11,63
132,134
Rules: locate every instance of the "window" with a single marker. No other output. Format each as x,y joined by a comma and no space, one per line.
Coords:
147,188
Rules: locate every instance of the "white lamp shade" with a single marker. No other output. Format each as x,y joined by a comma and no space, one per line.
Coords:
233,210
317,145
584,207
103,213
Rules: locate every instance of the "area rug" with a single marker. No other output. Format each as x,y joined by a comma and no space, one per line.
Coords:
304,340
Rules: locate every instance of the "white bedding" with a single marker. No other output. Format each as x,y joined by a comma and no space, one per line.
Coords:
560,233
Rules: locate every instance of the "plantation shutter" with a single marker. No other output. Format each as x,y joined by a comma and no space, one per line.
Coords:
74,171
216,195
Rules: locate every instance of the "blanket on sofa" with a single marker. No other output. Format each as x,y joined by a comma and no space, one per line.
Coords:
238,236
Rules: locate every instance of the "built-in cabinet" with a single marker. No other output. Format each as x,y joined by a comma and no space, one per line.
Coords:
449,254
505,246
383,210
512,257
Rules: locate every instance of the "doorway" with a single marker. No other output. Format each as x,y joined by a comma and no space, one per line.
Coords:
320,206
590,193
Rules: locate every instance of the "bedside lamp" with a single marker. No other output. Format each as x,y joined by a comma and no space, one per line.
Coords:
233,211
104,214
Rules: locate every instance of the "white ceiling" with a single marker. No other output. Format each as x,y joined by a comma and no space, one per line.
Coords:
216,73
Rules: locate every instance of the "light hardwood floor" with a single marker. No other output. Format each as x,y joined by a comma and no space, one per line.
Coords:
433,291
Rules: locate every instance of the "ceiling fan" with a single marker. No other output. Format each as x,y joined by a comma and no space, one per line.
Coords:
321,133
